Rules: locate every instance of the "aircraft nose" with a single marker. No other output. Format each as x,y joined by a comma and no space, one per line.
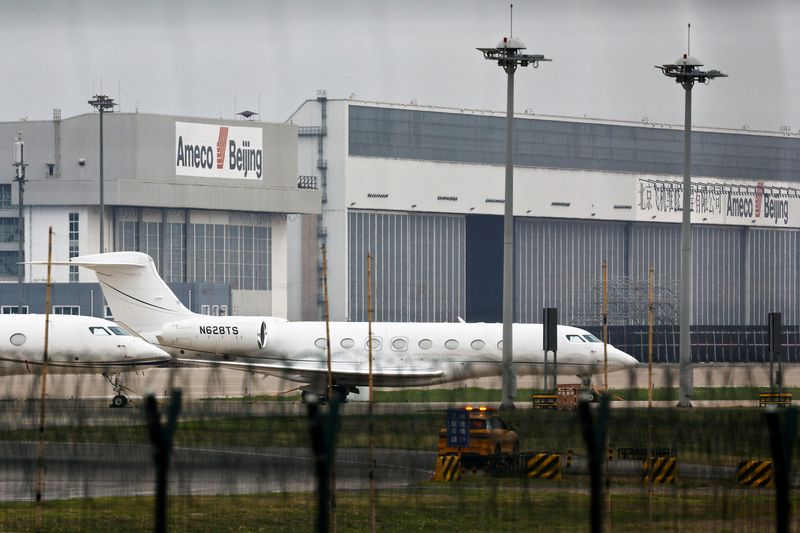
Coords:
146,352
624,360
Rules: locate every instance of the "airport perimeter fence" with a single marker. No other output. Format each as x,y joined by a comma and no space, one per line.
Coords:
242,459
710,344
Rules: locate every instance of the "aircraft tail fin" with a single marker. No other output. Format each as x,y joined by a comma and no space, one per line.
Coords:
135,292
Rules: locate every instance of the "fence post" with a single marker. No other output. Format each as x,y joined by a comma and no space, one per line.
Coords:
162,438
323,442
594,434
781,440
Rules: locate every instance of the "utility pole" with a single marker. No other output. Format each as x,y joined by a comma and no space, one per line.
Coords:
508,56
19,177
104,104
686,71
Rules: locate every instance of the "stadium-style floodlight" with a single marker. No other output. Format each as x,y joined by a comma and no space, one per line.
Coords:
508,55
686,71
103,104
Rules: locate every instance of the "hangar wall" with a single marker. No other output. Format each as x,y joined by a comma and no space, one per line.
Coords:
585,190
467,137
418,266
421,269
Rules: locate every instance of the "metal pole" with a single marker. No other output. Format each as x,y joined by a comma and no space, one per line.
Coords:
19,164
686,376
21,233
372,489
686,71
327,322
650,319
331,399
605,325
102,203
509,377
782,437
162,437
40,470
771,369
555,371
595,430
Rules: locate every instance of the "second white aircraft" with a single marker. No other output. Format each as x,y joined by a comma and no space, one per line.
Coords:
76,345
404,354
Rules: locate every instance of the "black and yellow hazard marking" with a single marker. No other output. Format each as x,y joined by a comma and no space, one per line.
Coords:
544,465
755,474
544,401
781,399
660,470
448,468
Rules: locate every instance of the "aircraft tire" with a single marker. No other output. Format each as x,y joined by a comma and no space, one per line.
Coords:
119,401
340,394
307,396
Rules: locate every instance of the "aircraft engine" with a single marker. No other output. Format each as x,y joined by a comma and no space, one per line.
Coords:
216,334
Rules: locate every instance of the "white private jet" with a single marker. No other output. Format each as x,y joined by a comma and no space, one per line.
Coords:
76,345
404,354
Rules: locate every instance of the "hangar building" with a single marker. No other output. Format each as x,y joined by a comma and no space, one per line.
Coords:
207,199
421,189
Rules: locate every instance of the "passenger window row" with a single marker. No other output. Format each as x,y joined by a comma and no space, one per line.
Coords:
400,344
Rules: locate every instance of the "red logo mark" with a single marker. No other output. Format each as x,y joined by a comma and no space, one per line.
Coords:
759,198
221,142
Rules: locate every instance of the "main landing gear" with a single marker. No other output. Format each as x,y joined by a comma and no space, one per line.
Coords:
339,392
119,400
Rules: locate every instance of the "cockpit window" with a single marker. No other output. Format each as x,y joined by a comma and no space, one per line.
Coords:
97,330
575,338
591,338
118,330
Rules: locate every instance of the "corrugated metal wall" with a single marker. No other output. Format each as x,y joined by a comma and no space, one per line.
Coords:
418,266
740,274
558,263
717,267
717,275
773,269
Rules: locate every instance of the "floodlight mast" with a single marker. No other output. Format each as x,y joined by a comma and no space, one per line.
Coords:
103,104
19,177
508,55
686,71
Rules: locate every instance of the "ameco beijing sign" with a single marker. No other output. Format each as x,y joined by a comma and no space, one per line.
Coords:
715,201
215,151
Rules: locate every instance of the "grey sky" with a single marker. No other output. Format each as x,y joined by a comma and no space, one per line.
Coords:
191,58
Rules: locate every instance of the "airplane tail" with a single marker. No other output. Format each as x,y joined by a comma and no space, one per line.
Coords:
137,295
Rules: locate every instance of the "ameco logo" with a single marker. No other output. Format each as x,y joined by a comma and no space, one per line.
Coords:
221,142
218,151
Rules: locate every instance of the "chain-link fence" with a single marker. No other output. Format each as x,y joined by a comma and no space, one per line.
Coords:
243,456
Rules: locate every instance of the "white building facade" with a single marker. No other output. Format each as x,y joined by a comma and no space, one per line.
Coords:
207,199
421,189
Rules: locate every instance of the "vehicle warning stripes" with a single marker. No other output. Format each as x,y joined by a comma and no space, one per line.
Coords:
544,466
664,470
448,468
755,474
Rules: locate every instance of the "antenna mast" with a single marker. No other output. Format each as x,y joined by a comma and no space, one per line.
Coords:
689,40
511,30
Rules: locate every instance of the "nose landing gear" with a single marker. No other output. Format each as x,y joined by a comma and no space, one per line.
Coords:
588,392
119,400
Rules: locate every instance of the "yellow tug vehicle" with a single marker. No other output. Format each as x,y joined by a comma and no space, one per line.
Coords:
489,436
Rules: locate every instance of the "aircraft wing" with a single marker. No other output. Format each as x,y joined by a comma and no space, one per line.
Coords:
308,371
